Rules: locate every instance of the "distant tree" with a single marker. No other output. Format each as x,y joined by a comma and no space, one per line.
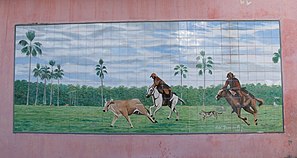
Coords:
101,70
182,70
37,71
30,48
51,77
59,73
45,75
276,56
204,65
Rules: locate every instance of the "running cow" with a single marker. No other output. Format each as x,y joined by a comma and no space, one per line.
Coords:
126,108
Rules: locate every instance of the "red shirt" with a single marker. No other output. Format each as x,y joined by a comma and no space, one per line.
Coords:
233,83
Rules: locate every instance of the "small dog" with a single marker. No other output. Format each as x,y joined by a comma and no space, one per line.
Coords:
206,114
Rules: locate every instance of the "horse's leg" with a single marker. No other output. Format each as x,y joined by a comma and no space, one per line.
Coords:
247,102
254,107
157,109
177,116
251,110
173,104
242,118
151,110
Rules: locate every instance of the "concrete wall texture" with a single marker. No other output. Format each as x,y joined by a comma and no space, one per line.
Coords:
86,146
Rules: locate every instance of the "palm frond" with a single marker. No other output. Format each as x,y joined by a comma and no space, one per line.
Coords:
37,44
199,66
25,50
202,53
275,59
209,62
30,35
210,72
23,43
38,50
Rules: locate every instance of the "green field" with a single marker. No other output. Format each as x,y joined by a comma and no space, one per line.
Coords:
88,119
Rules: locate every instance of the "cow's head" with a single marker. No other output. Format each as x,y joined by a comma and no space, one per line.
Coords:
107,105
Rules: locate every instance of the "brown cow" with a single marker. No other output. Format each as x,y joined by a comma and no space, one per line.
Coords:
126,108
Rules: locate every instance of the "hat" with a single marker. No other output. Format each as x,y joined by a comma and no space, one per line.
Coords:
153,75
230,74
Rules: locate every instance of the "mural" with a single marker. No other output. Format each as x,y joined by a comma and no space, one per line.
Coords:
175,77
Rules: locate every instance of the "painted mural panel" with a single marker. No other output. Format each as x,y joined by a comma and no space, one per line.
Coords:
173,77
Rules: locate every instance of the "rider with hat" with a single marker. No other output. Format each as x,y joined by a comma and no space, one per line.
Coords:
162,87
234,86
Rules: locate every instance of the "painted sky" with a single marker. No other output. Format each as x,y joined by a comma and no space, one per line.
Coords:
133,50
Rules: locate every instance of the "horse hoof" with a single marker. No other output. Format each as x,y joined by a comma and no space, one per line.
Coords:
111,126
176,119
156,121
167,118
256,124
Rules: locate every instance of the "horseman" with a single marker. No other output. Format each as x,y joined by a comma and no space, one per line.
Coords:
235,87
162,87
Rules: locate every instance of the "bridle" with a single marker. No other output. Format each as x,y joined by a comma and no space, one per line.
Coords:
152,93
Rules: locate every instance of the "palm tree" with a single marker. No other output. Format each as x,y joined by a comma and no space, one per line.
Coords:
204,64
52,75
59,73
182,70
277,56
101,70
45,75
37,73
30,48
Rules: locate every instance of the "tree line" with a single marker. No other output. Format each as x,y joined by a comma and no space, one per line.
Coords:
77,95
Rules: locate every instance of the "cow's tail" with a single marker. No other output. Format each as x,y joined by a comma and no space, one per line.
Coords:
261,101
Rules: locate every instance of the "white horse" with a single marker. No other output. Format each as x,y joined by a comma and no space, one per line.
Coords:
158,102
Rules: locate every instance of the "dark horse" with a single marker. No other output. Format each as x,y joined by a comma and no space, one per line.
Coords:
249,105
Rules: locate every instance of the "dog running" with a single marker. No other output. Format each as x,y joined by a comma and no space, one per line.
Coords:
206,114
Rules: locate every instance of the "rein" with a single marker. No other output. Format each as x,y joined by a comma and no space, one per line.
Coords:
154,98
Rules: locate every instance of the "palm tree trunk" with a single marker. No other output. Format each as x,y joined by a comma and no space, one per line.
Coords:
204,90
58,97
181,84
181,79
44,93
51,95
102,103
28,92
36,97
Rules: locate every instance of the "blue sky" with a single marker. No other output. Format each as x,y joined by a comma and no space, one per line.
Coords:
132,51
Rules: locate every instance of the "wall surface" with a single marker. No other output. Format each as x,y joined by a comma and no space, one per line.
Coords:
211,145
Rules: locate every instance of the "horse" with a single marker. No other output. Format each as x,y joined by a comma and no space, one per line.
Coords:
249,105
158,102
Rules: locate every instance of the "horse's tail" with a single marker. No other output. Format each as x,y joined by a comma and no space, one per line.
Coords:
261,101
181,100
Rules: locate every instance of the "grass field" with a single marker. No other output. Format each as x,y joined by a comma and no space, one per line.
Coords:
78,119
